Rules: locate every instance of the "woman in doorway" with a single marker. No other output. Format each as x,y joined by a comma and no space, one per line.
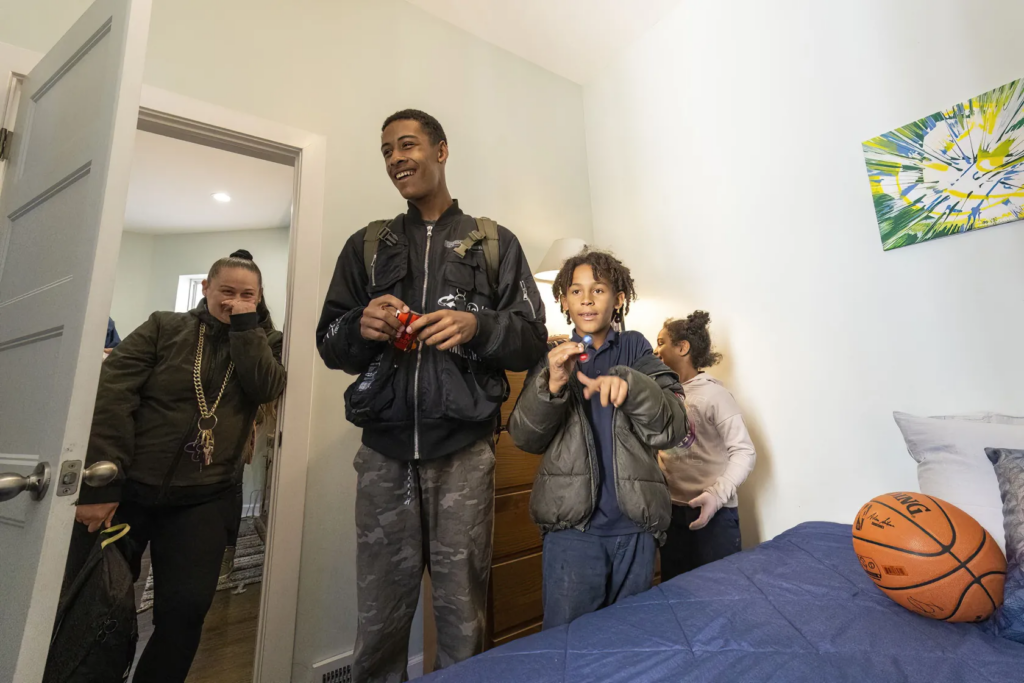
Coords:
174,410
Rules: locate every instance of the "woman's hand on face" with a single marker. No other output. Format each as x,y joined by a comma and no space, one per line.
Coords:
238,306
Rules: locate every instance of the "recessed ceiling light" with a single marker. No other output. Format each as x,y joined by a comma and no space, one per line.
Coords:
223,197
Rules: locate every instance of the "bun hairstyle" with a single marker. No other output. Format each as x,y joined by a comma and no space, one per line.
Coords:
238,259
241,258
694,329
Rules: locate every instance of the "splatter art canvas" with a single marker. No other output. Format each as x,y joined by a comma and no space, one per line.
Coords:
958,170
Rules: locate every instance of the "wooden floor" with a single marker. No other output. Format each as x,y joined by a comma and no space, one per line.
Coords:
229,638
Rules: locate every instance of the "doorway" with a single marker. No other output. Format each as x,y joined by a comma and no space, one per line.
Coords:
188,206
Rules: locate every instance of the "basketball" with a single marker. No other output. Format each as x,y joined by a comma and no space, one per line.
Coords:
930,557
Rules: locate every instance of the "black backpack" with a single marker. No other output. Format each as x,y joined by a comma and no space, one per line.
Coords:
485,234
96,630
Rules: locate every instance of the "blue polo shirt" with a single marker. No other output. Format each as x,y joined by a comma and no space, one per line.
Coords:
618,349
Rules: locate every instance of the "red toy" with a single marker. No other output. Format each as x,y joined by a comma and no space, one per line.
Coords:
406,341
587,341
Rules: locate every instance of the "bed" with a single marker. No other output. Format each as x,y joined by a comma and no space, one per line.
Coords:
795,609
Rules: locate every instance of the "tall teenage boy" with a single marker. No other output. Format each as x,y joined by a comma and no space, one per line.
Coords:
425,471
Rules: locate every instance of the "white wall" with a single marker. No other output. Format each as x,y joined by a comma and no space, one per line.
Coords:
130,306
148,267
338,68
726,169
176,255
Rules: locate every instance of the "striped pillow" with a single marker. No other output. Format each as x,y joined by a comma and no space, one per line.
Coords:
1009,465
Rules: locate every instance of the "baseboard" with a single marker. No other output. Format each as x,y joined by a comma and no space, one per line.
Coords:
416,666
250,510
338,662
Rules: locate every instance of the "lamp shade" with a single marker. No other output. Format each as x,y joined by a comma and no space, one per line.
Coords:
558,252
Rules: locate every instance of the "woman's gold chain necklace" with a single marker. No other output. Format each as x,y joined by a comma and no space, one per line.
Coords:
204,441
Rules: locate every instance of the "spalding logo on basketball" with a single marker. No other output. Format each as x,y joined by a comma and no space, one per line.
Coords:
929,556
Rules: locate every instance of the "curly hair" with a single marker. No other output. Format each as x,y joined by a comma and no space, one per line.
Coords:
606,267
694,329
428,123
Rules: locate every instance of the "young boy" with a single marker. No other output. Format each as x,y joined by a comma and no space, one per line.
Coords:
599,419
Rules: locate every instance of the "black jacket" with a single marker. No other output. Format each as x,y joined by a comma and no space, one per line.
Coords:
426,403
146,410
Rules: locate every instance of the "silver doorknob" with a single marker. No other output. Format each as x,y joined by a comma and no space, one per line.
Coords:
100,473
36,483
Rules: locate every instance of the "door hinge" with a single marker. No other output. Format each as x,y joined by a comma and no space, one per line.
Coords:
5,143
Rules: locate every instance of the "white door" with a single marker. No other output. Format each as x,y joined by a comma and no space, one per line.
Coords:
61,211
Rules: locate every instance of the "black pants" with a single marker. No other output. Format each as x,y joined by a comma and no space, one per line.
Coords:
236,515
685,549
186,546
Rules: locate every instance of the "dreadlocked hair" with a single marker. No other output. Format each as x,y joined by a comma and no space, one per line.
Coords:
606,267
694,329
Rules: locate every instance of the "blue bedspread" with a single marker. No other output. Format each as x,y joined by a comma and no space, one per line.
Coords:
796,609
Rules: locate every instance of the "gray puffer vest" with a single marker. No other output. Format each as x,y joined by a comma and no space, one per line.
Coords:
653,418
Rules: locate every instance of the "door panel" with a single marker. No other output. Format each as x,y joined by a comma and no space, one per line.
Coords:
49,219
18,368
61,212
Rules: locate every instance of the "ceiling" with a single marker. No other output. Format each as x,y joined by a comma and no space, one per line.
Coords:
172,183
573,38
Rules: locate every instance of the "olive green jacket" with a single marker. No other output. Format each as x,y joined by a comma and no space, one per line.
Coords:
146,416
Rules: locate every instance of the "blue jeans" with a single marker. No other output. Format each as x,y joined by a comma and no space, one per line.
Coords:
584,572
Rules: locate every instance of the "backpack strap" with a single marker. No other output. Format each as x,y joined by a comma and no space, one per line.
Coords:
375,232
114,534
492,258
487,233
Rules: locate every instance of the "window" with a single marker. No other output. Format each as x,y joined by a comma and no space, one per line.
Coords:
190,292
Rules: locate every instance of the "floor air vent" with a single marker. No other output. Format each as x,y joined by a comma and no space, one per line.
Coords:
334,670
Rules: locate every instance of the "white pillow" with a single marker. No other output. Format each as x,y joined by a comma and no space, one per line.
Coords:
995,418
951,460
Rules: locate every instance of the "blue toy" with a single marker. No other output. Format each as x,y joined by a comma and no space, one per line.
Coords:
587,341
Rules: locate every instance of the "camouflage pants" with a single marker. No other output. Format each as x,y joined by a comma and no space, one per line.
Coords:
436,515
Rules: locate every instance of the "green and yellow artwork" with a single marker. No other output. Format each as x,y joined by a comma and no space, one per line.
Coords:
958,170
